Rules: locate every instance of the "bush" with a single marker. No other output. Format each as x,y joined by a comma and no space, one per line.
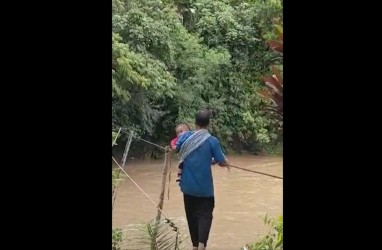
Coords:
117,239
273,240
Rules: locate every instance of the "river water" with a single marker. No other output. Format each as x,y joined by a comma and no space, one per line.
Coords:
241,198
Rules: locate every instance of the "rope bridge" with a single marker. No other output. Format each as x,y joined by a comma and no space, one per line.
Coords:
159,207
233,166
256,172
166,168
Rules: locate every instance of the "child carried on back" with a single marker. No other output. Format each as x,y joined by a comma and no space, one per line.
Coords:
179,130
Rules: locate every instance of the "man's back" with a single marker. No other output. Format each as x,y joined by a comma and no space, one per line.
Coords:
197,175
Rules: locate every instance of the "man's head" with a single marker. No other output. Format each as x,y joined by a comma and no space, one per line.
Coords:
180,128
202,119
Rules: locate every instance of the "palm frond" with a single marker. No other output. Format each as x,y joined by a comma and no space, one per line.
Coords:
154,235
162,235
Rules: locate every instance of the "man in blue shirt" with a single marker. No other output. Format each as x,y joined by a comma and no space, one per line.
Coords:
196,149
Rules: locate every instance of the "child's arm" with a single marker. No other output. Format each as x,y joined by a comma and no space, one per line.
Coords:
173,144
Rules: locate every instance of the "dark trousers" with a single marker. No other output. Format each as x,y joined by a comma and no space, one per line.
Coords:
199,217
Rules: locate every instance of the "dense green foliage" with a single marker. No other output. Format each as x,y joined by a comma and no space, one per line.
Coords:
273,240
117,237
174,57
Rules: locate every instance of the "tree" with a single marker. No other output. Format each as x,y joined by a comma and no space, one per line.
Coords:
274,83
172,58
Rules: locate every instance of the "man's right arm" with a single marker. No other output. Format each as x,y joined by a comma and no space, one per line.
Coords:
217,154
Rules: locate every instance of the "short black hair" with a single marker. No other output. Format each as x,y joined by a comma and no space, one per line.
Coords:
202,118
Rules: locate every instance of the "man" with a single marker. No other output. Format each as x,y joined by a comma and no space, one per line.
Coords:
196,149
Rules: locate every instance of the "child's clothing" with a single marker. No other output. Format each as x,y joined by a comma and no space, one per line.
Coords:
182,138
178,144
173,143
180,167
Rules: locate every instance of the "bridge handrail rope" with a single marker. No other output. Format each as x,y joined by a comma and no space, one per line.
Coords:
233,166
136,184
257,172
140,139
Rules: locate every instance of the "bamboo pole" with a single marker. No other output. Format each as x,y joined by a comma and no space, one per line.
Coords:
164,179
169,175
124,157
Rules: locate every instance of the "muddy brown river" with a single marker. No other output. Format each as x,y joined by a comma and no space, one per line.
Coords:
241,198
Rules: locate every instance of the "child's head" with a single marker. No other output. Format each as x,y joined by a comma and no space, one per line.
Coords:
180,128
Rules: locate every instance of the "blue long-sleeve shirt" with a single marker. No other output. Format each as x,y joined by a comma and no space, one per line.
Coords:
197,174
